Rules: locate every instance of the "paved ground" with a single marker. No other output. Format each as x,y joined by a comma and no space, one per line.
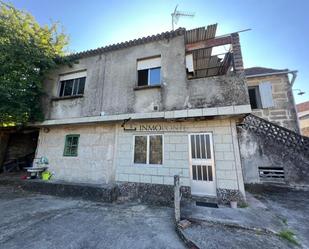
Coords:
39,221
293,208
273,211
214,236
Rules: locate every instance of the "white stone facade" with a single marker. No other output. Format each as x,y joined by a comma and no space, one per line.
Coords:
94,162
105,153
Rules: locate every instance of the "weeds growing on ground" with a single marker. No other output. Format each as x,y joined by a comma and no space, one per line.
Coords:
243,205
289,236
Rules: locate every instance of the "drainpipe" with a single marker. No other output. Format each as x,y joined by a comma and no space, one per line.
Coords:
294,75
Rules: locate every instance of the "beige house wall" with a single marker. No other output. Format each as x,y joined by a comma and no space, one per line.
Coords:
176,155
283,113
105,153
94,163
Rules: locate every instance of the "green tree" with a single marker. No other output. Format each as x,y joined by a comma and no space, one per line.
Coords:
27,52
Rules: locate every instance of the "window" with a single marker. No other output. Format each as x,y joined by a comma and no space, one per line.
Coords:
149,72
254,97
148,149
261,96
71,145
72,84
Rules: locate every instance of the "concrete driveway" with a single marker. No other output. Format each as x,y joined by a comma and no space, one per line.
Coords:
33,221
292,207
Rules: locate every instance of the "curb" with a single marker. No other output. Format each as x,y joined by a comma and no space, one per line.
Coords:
233,225
189,243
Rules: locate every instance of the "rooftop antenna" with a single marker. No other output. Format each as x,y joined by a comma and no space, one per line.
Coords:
176,14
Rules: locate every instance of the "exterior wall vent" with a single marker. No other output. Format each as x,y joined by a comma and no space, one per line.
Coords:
271,174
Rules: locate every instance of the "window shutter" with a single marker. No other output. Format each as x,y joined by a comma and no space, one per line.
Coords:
71,76
149,63
266,95
189,62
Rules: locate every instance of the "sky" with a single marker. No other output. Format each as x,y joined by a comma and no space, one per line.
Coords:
279,37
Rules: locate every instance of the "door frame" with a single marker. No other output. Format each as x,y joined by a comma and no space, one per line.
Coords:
212,159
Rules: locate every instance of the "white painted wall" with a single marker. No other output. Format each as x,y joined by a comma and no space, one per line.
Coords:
94,163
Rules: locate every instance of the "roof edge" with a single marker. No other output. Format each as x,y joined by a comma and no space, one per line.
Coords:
127,44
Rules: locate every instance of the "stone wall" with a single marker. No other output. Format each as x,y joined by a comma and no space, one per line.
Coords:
176,155
283,113
94,163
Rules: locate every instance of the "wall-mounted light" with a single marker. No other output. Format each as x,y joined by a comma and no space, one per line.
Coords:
46,129
300,92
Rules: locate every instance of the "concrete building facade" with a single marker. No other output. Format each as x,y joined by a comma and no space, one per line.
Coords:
145,110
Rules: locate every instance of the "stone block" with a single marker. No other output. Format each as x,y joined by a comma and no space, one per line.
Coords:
238,109
223,147
175,171
226,110
170,147
222,130
146,170
145,178
195,113
182,147
157,179
225,165
227,139
184,181
229,156
217,138
163,171
181,114
227,184
177,155
219,155
169,114
134,178
122,177
168,180
210,111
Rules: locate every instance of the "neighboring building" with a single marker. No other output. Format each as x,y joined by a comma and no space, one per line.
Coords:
271,95
303,117
271,151
145,110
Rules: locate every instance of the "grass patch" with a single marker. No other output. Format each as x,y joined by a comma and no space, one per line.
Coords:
243,205
289,236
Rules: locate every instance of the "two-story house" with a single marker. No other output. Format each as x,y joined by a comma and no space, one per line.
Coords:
139,112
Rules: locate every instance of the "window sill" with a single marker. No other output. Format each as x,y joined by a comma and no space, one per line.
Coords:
146,87
67,97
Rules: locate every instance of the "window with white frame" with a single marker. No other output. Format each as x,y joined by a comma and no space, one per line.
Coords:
72,84
148,149
149,72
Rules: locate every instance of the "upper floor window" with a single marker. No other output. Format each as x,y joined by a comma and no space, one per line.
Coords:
72,84
254,96
149,72
261,96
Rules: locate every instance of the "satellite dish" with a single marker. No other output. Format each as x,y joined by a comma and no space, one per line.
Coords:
176,14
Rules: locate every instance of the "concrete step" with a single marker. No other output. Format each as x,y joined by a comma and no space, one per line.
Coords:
207,199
